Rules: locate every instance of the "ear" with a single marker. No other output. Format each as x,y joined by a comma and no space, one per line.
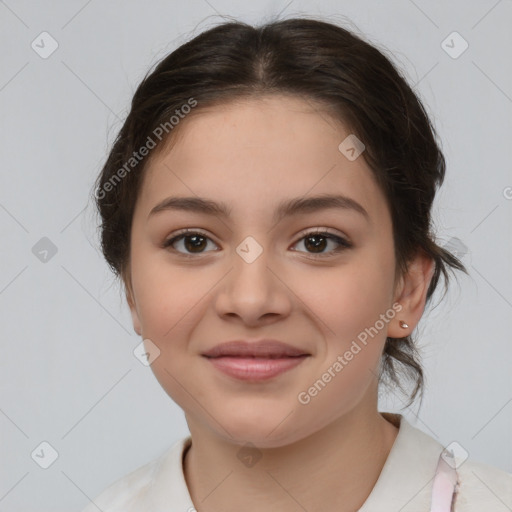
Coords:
411,294
131,304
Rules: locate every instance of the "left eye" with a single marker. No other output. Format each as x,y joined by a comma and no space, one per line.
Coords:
318,240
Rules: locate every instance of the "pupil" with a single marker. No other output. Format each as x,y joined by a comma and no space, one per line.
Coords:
316,245
198,242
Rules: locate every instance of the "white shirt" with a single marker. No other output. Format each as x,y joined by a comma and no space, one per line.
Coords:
404,484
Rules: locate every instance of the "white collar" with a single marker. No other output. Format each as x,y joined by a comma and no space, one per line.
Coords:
404,484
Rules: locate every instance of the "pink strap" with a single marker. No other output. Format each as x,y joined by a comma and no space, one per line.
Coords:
445,483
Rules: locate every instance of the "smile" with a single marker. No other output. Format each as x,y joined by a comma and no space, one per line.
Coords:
255,368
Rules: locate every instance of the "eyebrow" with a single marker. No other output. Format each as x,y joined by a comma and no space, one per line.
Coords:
287,208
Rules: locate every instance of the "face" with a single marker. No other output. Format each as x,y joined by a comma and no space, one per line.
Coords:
319,278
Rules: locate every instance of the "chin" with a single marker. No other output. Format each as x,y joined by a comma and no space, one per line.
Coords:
263,432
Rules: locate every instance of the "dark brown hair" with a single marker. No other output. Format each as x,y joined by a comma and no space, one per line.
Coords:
325,64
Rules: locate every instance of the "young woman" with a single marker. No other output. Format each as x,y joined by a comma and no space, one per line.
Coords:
267,206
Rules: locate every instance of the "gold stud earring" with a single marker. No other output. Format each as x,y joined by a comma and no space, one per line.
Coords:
404,325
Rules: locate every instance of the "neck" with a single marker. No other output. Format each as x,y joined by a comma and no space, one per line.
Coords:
335,468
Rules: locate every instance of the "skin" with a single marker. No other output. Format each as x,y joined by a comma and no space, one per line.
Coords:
253,154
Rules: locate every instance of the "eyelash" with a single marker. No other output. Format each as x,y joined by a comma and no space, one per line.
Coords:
343,243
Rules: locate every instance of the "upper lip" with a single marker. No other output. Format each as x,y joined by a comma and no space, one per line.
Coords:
260,348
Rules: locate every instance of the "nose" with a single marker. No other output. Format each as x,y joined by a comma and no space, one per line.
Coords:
254,292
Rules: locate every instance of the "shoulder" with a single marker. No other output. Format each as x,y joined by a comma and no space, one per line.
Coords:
126,493
130,492
406,481
483,487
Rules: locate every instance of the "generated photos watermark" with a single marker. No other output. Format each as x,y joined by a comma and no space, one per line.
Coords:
144,150
304,397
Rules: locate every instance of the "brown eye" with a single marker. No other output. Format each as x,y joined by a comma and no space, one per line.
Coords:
193,242
316,243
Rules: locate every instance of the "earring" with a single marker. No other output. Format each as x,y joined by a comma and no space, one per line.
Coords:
404,325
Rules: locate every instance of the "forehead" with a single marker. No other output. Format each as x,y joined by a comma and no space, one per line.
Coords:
255,152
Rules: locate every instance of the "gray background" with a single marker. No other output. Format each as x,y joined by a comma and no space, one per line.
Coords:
68,374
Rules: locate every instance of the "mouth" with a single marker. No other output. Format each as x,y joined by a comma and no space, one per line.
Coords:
255,368
268,349
255,361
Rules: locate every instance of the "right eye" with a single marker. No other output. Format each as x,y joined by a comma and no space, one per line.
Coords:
192,240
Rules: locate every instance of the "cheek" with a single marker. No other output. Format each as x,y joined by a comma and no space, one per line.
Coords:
349,298
171,304
168,296
348,306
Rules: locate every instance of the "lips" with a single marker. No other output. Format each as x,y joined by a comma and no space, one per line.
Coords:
263,349
255,361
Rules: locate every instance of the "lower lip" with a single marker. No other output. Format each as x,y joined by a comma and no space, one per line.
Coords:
255,369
